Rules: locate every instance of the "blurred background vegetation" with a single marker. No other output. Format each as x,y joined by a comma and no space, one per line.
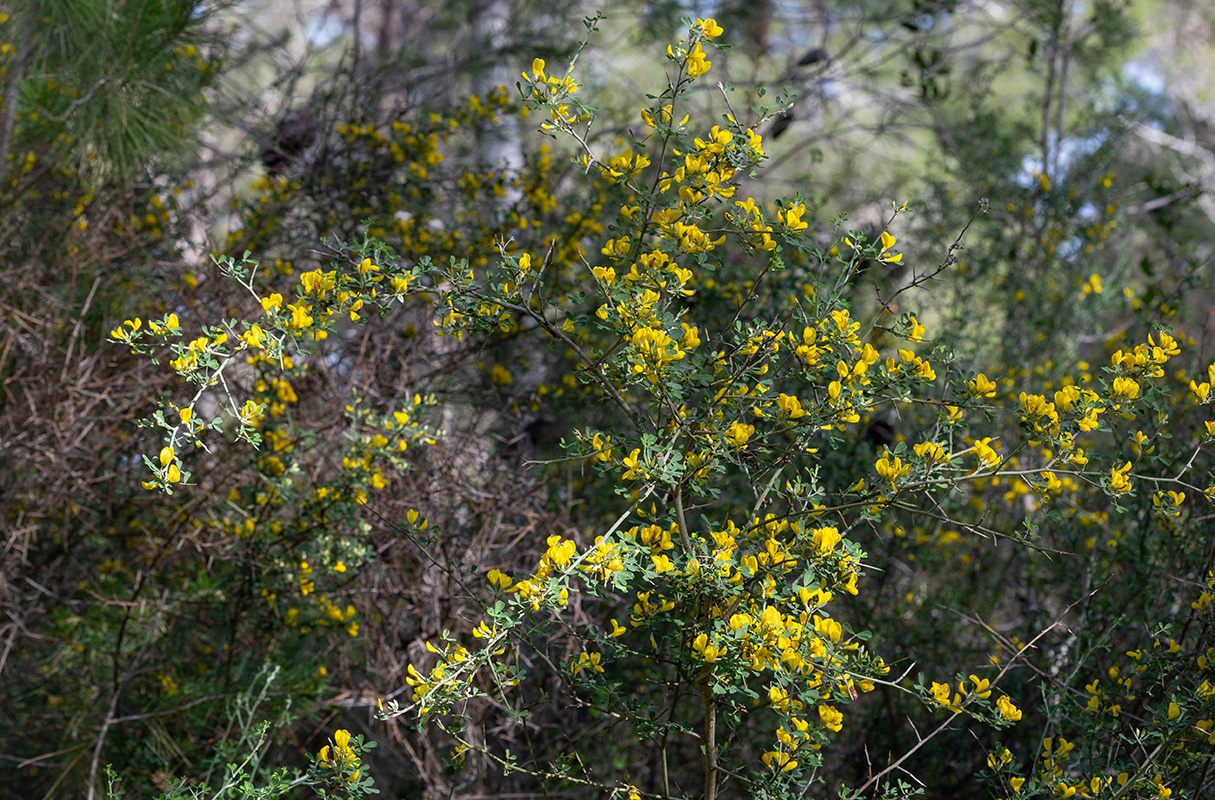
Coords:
138,137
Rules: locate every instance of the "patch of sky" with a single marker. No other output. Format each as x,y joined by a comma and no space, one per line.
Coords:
1070,149
323,29
1145,76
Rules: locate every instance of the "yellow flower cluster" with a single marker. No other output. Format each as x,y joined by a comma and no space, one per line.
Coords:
445,681
341,756
552,92
693,58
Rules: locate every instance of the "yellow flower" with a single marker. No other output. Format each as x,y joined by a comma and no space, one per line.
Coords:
1168,502
941,693
300,318
891,470
778,760
1009,711
792,218
986,453
342,754
249,413
318,284
930,451
168,685
710,27
632,466
825,539
791,406
1125,389
1118,478
738,435
831,718
981,386
887,243
662,564
995,760
254,337
829,628
980,688
697,63
586,660
701,646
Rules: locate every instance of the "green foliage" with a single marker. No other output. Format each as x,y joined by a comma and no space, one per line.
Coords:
110,86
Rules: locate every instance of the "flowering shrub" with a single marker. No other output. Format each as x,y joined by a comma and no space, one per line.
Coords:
752,541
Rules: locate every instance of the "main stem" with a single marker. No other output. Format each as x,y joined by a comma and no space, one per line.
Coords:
13,93
710,741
